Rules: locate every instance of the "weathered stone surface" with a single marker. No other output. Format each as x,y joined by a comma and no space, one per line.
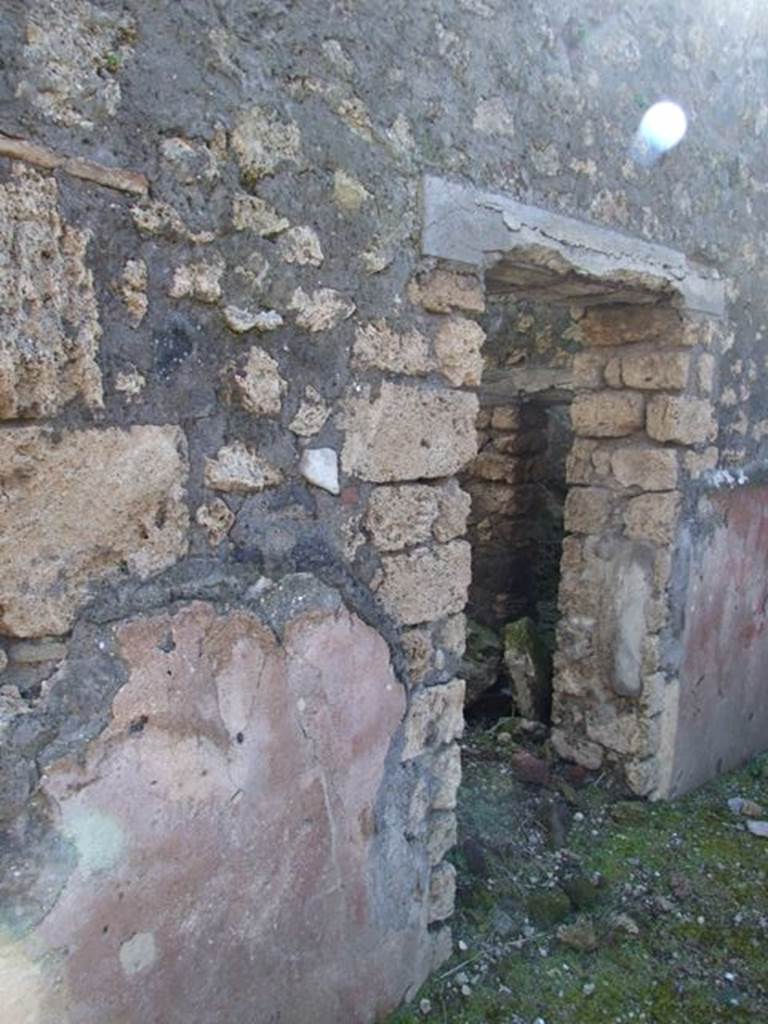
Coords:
435,717
420,652
652,469
322,310
608,414
201,281
378,345
681,419
587,509
625,325
441,835
51,330
656,370
426,583
241,320
457,346
401,516
442,891
249,213
446,773
262,142
407,433
653,517
130,383
301,245
76,509
238,470
64,56
453,511
580,751
133,289
217,518
526,662
442,291
311,414
260,386
588,369
349,194
256,770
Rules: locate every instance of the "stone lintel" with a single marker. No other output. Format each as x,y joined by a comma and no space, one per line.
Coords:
537,254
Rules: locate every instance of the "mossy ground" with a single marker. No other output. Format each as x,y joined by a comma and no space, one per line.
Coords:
677,893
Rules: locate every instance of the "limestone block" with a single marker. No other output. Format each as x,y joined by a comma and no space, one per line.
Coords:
50,336
238,470
587,509
61,66
579,468
652,469
574,748
442,291
527,442
442,892
457,346
623,733
588,369
322,310
401,516
626,325
301,245
612,373
201,281
217,518
80,507
249,213
653,517
435,718
441,835
453,511
133,289
507,417
489,465
445,769
420,652
681,419
262,142
608,414
380,347
349,194
407,433
426,583
497,499
260,386
311,414
242,320
659,371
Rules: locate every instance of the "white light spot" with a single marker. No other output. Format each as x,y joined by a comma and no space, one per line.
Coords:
662,127
98,838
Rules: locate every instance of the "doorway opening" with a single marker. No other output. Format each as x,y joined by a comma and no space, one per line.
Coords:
518,488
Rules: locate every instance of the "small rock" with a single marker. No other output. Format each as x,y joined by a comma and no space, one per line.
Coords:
320,466
589,988
463,947
503,739
748,808
462,978
576,775
3,659
758,828
579,935
529,768
425,1007
466,991
624,923
241,320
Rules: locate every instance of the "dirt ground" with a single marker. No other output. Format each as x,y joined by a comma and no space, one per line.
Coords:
577,906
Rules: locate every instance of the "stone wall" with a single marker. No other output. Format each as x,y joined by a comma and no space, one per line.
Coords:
233,391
